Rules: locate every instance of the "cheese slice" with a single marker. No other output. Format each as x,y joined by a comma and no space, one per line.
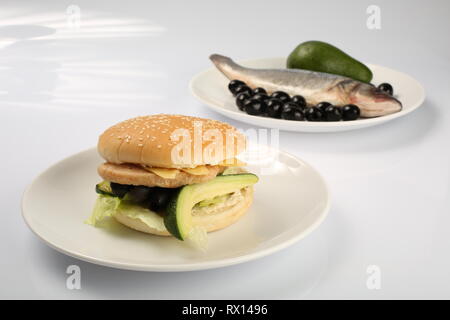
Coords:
197,171
234,162
171,173
166,173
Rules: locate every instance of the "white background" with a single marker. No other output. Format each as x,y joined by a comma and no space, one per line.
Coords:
60,87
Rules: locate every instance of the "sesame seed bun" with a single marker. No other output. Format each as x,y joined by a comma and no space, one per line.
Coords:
210,222
153,141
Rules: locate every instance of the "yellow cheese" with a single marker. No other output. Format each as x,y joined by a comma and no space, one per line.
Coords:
171,173
234,162
197,171
163,172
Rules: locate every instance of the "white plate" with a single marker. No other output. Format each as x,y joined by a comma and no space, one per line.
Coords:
291,200
211,88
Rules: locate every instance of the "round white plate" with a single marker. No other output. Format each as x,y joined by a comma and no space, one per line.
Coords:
211,88
291,200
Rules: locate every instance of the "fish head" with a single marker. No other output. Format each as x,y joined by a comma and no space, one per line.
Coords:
373,102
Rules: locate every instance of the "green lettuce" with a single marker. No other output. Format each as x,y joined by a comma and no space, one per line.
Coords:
107,206
149,217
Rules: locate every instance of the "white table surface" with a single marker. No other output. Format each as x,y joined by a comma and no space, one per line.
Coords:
61,86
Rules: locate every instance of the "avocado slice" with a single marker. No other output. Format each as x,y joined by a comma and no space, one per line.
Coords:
178,219
104,188
324,57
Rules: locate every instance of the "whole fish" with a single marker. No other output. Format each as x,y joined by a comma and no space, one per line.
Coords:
315,87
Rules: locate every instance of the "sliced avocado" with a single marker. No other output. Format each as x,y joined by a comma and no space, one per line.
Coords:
324,57
178,219
104,187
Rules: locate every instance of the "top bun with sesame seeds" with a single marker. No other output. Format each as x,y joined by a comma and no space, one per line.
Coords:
170,141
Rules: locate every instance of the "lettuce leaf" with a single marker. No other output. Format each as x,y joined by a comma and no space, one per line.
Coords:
150,218
105,206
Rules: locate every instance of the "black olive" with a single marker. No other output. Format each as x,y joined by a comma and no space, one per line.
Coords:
139,194
332,113
232,86
323,105
259,90
120,189
283,96
386,87
292,113
159,198
260,97
313,114
274,108
299,101
246,104
289,105
240,99
242,88
255,107
350,112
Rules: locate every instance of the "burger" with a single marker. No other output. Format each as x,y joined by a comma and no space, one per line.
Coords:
172,175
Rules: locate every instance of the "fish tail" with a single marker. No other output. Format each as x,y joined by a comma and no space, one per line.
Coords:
218,59
227,66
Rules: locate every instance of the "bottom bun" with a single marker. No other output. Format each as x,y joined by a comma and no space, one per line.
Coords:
210,222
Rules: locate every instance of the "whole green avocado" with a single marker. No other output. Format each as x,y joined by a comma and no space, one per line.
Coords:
324,57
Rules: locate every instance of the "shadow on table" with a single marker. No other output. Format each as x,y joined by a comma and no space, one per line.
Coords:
299,269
